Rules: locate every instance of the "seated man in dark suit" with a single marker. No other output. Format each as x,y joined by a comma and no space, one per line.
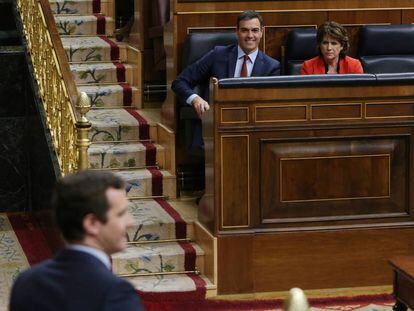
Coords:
242,60
91,211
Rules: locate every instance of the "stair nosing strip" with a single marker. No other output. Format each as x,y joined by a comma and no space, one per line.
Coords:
124,168
160,241
124,141
149,197
127,275
79,14
90,35
113,107
95,62
103,83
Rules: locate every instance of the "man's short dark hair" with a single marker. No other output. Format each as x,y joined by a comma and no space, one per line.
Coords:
248,15
79,194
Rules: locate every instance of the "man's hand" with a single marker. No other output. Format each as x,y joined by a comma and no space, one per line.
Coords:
200,105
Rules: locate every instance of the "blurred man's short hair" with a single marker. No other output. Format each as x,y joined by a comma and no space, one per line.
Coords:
79,194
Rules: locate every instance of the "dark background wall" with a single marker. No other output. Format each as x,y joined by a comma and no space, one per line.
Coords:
28,167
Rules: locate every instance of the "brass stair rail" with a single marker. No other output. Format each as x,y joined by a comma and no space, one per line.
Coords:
65,110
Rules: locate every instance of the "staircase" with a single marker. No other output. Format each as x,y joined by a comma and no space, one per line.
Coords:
128,139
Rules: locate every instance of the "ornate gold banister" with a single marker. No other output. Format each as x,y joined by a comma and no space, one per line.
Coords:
65,109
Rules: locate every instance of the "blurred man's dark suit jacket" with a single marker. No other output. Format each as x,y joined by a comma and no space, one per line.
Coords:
72,281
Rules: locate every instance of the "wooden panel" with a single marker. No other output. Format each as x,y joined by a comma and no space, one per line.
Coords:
327,259
280,113
362,17
237,6
300,94
235,115
369,176
209,206
310,260
166,139
387,110
209,245
138,36
278,25
408,16
333,179
237,254
235,181
337,111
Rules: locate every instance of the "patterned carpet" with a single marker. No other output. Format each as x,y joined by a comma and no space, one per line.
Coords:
22,244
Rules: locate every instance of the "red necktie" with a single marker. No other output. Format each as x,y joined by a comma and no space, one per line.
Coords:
243,72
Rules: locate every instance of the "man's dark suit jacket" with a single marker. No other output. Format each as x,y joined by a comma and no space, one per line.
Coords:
73,280
220,62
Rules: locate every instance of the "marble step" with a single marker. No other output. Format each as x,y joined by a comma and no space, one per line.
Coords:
148,182
120,125
80,7
93,49
158,220
94,73
84,25
158,257
112,95
123,155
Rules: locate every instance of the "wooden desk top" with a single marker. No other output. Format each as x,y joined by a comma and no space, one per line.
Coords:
404,264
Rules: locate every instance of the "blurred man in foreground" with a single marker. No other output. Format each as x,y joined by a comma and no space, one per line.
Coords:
91,211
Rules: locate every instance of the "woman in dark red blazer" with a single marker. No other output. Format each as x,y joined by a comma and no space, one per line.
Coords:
333,44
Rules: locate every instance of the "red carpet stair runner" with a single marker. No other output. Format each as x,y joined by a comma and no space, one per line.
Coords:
124,139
